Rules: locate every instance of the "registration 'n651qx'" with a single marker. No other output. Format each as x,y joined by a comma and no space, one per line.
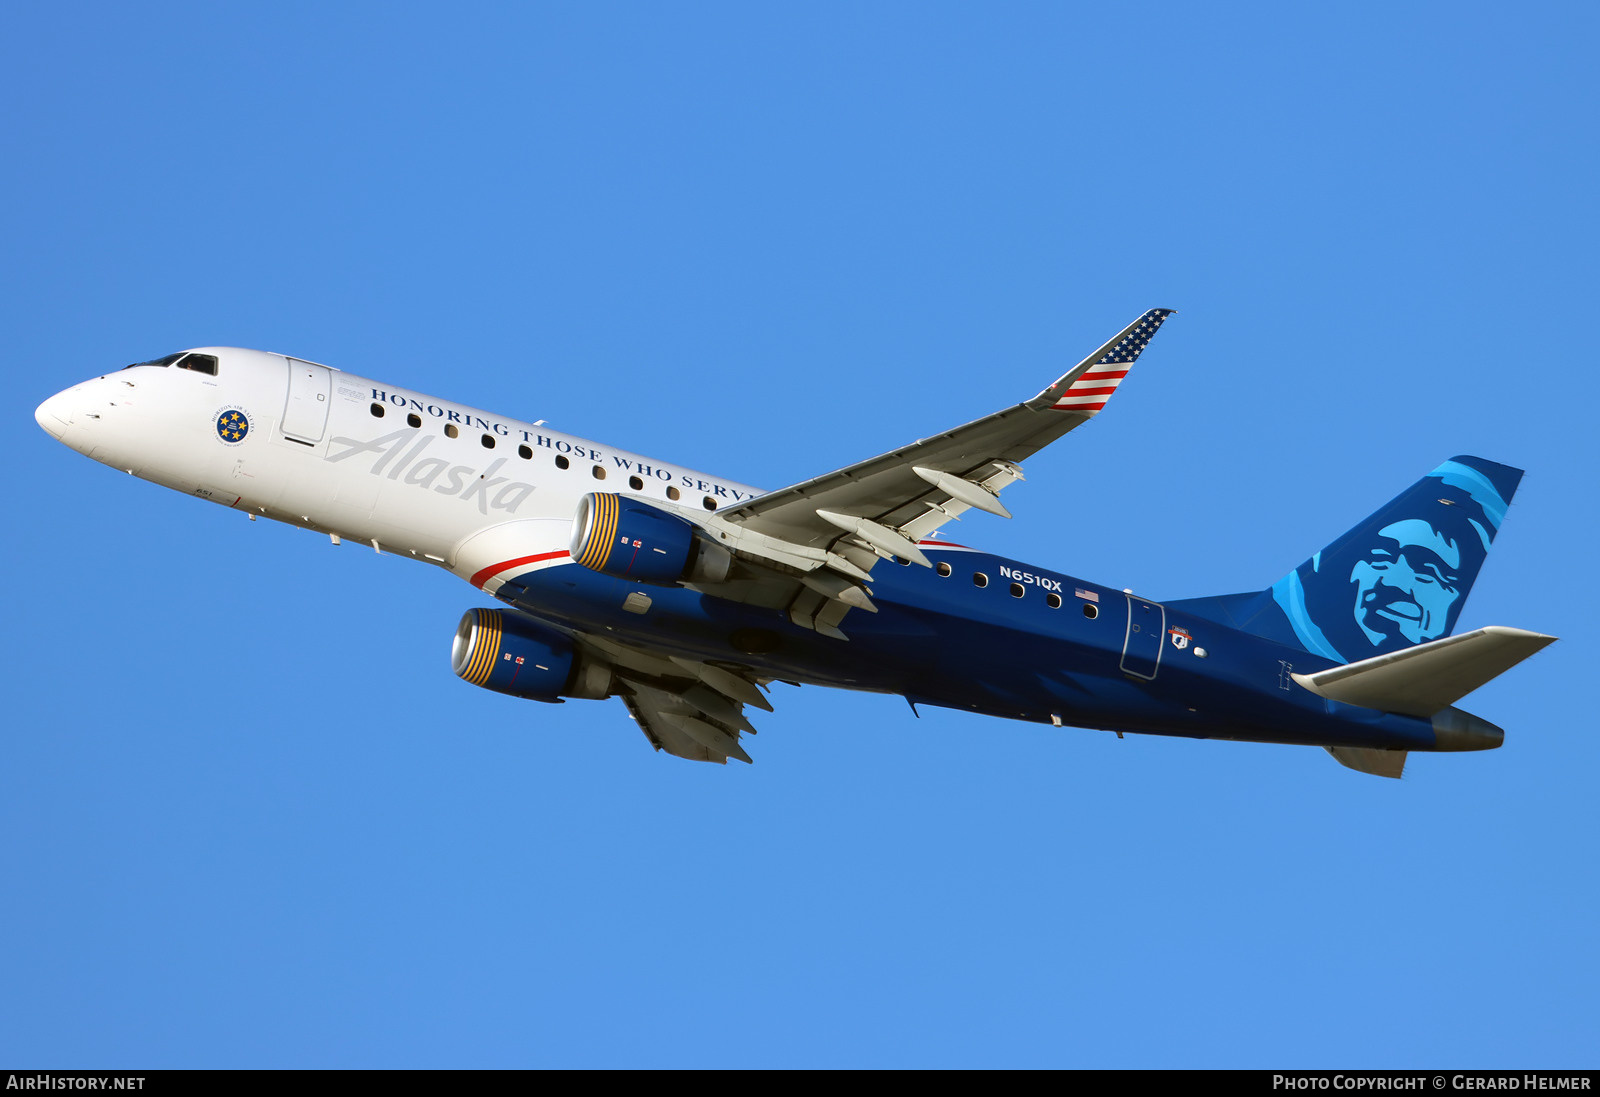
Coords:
687,594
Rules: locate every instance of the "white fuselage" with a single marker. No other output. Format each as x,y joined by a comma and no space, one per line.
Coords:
455,486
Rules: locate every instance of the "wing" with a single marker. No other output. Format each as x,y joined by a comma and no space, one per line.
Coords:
685,707
674,725
812,547
829,531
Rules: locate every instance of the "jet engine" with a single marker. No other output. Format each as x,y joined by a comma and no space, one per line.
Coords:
510,654
631,539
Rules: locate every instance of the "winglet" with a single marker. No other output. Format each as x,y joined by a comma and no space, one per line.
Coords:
1086,388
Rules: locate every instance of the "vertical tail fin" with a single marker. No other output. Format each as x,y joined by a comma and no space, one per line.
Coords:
1398,578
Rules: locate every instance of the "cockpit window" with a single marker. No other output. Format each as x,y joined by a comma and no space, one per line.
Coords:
167,361
200,363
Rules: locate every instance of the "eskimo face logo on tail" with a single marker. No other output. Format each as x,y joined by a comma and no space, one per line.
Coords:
1401,577
1408,582
399,457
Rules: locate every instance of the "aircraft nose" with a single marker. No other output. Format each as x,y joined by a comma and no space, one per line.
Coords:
55,414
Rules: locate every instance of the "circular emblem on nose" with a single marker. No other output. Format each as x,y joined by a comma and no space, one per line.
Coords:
232,426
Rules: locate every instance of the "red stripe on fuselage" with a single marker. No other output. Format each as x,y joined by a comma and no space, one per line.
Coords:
489,572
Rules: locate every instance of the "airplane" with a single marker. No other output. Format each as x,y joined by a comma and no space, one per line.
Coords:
687,595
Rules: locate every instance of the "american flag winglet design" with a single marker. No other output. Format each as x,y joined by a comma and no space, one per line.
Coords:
1089,393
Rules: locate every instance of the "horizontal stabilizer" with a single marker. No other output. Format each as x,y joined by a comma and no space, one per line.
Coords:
1423,680
1379,763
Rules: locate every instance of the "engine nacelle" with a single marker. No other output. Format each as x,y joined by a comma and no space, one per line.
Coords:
510,654
631,539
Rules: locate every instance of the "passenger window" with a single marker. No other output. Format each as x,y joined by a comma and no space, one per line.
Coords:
979,579
1053,601
562,462
1016,590
599,472
1090,610
635,483
488,441
525,452
943,569
413,420
709,503
674,494
377,411
450,431
200,363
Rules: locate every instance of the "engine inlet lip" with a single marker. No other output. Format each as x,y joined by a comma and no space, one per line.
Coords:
466,640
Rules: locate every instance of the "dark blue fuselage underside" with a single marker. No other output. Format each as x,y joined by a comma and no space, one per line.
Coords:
1135,666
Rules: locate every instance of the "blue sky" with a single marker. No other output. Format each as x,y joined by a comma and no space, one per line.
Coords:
250,818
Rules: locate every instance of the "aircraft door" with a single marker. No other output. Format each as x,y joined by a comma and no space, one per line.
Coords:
305,413
1141,648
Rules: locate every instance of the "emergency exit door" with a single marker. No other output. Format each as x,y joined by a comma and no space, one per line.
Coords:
1141,649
